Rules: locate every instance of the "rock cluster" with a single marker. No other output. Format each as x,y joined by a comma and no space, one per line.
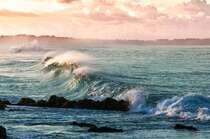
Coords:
94,128
185,127
61,102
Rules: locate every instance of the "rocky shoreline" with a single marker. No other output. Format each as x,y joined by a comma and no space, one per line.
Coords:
61,102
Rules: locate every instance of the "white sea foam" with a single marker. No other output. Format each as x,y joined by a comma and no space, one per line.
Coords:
137,100
186,107
203,114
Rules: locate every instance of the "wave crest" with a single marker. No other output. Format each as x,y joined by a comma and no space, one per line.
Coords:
72,61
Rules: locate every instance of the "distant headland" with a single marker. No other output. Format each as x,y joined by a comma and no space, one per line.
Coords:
186,41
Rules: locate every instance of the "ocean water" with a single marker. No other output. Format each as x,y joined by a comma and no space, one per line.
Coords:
165,85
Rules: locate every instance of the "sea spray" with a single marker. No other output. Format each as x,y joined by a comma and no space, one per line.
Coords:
137,99
28,46
69,61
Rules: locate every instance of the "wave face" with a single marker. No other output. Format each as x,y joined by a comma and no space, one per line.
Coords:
77,74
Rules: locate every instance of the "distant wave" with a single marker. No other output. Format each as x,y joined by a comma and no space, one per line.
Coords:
31,46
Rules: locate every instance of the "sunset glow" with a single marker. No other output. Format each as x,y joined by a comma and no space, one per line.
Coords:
120,19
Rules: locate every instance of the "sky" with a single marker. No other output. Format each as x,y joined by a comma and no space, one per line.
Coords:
107,19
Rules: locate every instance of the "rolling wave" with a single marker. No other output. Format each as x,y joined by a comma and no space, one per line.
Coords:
75,72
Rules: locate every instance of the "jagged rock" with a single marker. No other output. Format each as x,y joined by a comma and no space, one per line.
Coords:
83,124
2,105
55,101
3,133
94,128
69,104
112,104
184,127
41,103
104,130
27,102
107,104
61,102
5,102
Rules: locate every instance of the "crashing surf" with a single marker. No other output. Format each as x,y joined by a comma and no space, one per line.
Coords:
89,83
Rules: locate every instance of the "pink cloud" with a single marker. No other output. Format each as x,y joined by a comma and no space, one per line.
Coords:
114,19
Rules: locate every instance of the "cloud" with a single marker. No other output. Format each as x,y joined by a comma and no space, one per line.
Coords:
65,1
7,13
115,19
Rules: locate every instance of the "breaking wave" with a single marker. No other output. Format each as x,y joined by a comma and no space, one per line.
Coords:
76,73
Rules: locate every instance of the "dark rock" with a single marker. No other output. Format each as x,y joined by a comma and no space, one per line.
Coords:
104,130
83,124
3,133
2,105
94,128
27,102
61,102
112,104
70,104
107,104
55,101
5,102
41,103
184,127
87,104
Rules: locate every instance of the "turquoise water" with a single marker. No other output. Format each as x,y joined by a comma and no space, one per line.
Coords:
164,84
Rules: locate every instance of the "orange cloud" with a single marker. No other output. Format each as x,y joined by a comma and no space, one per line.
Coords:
115,19
65,1
7,13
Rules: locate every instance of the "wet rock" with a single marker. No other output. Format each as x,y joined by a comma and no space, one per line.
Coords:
2,105
55,101
5,102
3,133
41,103
27,102
61,102
184,127
104,130
83,124
94,128
69,104
107,104
112,104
